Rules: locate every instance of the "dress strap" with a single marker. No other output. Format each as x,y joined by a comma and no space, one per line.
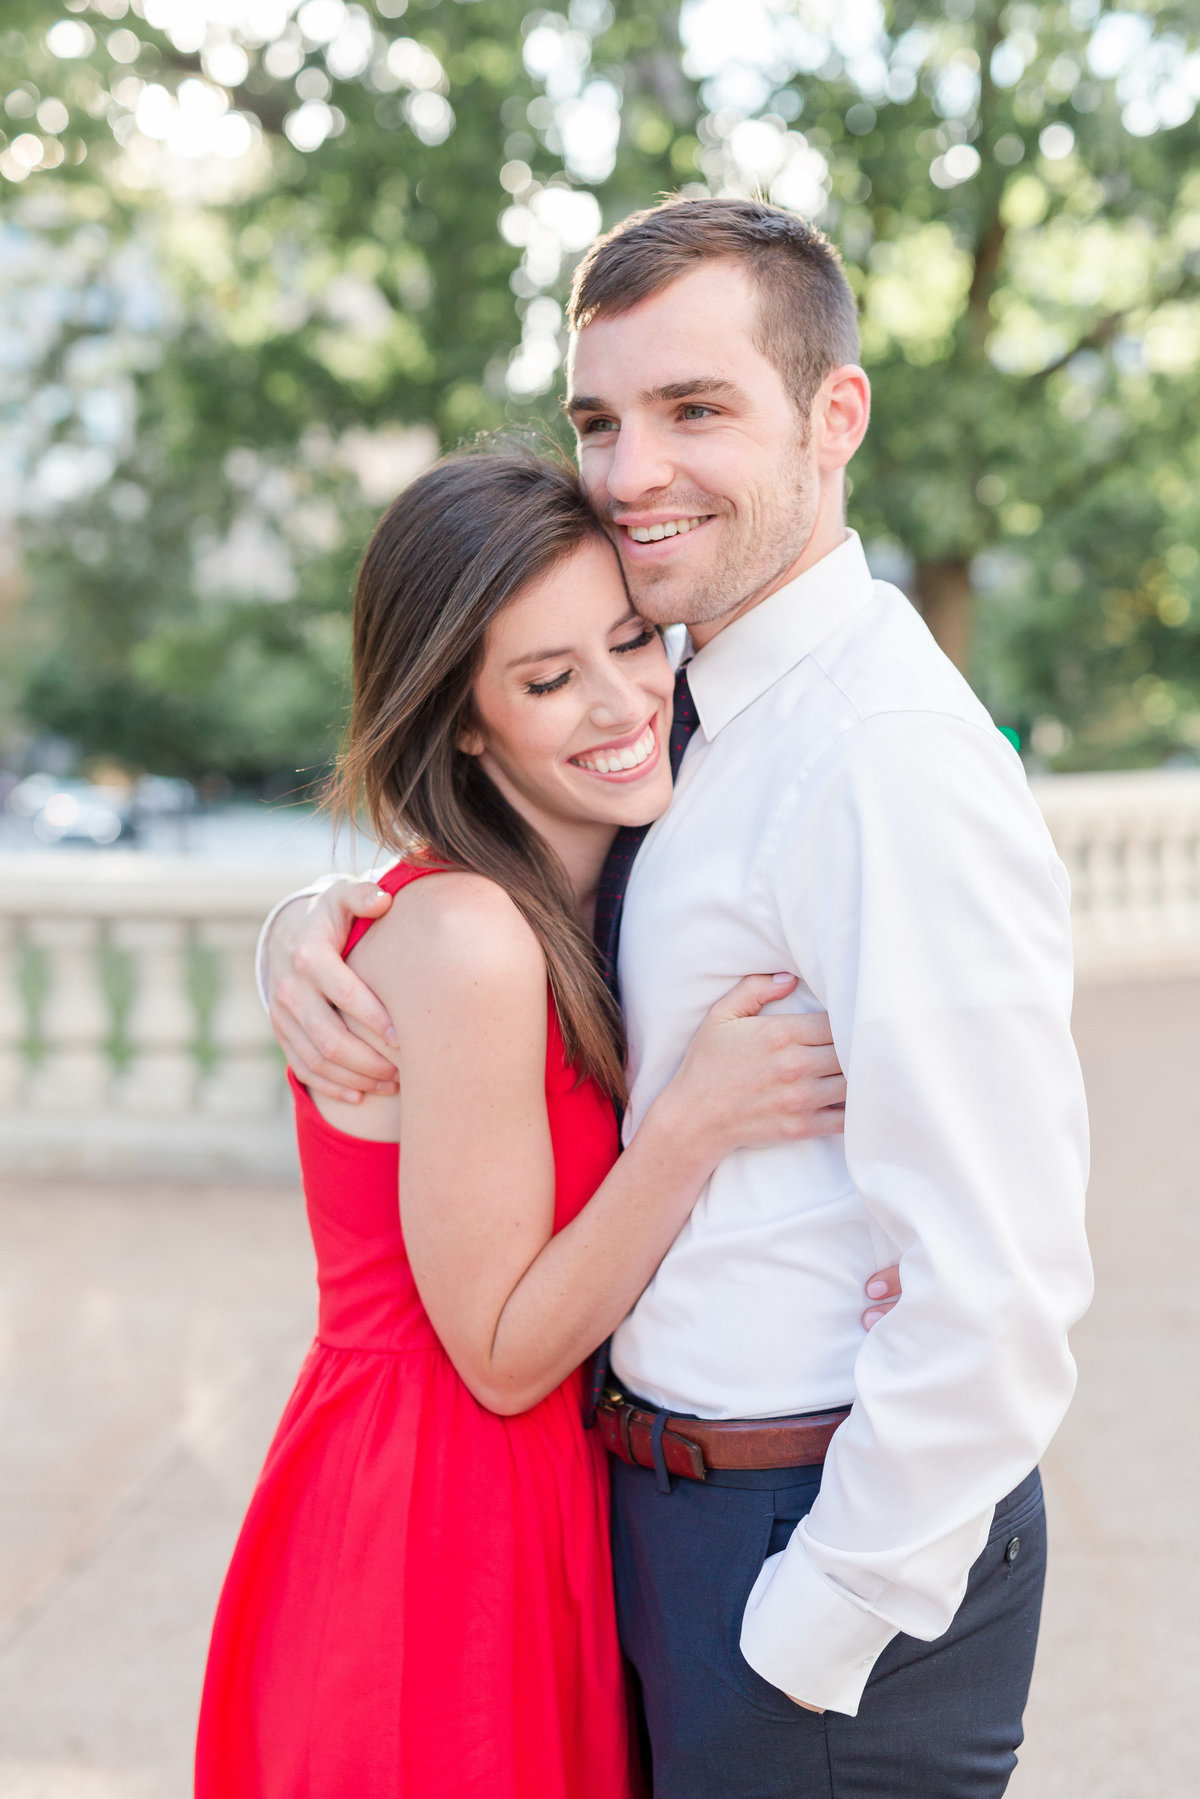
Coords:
401,874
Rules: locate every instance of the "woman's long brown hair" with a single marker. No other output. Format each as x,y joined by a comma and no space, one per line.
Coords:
457,545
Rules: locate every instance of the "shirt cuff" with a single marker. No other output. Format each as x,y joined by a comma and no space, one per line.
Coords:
811,1639
260,948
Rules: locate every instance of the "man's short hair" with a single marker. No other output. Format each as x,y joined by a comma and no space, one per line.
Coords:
808,321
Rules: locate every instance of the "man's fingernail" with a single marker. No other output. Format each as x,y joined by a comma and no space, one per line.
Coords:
873,1317
877,1289
783,977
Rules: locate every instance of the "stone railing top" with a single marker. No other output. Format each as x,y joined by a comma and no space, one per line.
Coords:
1124,795
116,884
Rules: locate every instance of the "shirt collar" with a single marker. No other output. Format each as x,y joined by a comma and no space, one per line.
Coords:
753,652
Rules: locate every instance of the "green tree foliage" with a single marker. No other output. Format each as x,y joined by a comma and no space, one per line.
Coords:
257,274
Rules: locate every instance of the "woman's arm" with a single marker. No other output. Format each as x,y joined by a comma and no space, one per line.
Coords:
516,1306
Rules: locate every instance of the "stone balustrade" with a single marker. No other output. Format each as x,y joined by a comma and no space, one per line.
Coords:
131,1036
1131,843
132,1040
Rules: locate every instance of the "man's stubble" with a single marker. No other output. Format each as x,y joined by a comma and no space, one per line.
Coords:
755,554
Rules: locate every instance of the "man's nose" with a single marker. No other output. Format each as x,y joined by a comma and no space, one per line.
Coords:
639,465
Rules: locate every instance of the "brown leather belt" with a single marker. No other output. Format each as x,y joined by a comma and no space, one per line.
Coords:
691,1446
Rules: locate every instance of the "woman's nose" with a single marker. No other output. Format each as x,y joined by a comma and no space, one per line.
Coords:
618,704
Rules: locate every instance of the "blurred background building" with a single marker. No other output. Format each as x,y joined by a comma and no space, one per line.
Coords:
260,260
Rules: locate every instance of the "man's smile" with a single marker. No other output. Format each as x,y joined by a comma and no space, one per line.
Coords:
642,535
672,527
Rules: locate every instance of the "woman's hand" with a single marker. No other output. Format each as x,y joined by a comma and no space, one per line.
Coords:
883,1289
747,1081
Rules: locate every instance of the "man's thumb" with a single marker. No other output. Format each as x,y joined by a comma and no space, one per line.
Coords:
366,900
752,993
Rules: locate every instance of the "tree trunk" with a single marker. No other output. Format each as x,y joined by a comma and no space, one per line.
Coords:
943,595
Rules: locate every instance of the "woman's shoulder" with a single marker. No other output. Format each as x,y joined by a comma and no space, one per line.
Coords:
454,926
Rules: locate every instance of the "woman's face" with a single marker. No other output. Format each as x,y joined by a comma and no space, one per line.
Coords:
573,701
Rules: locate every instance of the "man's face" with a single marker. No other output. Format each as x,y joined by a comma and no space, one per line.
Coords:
687,436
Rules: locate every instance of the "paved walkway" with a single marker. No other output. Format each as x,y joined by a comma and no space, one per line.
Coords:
148,1338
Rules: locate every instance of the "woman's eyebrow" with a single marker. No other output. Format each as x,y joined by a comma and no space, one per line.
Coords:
553,655
536,656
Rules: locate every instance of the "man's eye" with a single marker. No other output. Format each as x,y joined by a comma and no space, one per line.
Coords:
593,427
549,686
637,643
697,412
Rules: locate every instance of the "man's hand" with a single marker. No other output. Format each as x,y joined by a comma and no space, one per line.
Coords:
884,1290
310,987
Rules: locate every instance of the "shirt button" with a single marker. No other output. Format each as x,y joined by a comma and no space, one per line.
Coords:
1013,1550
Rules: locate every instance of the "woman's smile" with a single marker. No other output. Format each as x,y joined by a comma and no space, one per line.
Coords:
625,759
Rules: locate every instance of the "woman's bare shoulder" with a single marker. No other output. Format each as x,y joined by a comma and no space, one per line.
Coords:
456,930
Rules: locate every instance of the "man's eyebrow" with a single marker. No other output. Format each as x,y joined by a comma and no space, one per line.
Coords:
712,387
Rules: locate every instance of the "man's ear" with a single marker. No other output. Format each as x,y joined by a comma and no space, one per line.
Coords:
842,411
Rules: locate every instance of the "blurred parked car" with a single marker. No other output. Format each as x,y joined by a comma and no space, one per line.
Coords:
162,796
97,812
74,811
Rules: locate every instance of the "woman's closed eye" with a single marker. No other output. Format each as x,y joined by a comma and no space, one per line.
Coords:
647,635
549,686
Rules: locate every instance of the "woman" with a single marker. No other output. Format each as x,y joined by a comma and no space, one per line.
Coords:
420,1602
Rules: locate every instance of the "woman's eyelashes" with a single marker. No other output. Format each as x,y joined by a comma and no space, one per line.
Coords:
646,636
551,686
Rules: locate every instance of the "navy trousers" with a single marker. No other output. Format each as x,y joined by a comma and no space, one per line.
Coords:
938,1720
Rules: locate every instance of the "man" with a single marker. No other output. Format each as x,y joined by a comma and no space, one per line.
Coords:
844,809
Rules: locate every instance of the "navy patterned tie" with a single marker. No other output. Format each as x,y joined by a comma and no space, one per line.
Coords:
614,877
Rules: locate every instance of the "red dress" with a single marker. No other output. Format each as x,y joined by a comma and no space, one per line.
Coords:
420,1603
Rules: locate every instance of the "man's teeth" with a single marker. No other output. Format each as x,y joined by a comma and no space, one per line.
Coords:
674,527
616,761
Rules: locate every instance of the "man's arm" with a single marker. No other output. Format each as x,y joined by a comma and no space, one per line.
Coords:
307,989
937,936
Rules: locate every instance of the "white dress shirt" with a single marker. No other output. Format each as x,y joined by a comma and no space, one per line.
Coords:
848,812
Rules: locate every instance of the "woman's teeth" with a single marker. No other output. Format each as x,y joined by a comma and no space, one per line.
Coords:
615,762
674,527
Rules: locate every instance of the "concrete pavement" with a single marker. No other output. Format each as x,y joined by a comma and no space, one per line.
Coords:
149,1336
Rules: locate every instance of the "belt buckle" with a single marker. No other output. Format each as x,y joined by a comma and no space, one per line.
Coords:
622,1413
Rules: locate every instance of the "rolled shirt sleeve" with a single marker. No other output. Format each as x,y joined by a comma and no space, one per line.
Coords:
920,893
260,948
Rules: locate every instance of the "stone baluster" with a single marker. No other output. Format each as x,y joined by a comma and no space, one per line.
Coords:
1137,863
161,1027
1109,887
12,1020
74,1075
1181,880
247,1081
